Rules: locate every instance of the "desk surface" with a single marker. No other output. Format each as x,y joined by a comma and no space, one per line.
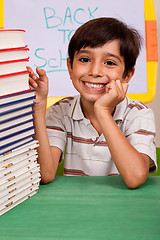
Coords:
86,208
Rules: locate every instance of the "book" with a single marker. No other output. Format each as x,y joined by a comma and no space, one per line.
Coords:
21,149
10,128
18,105
12,66
12,115
20,200
8,54
15,130
16,137
14,198
30,174
19,170
17,188
19,178
13,167
8,148
14,82
7,163
18,96
11,38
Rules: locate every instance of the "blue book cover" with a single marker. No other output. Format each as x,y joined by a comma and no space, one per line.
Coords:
10,118
15,125
16,97
16,136
7,148
16,109
19,148
16,102
16,133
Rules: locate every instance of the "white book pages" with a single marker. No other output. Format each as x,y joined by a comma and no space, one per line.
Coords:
31,179
19,172
13,66
29,174
12,147
12,205
18,121
19,165
16,159
14,82
12,38
17,137
16,97
24,148
16,106
17,191
16,129
17,114
19,196
13,53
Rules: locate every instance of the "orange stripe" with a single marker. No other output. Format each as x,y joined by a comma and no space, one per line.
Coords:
146,132
135,105
74,172
78,139
151,40
55,128
101,143
87,141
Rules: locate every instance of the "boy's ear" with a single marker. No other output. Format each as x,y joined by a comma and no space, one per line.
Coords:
129,75
69,67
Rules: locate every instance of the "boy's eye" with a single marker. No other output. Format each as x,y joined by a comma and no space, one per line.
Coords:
84,59
110,63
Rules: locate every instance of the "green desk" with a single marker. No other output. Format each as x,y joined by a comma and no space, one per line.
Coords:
83,208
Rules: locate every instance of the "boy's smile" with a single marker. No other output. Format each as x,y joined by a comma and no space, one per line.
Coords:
94,86
94,68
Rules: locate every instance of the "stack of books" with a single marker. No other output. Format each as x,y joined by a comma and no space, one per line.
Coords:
19,170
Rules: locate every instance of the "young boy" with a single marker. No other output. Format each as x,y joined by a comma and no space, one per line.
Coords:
105,133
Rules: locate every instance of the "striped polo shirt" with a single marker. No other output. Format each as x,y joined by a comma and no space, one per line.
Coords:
87,153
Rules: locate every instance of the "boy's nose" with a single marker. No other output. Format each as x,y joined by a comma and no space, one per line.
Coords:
96,70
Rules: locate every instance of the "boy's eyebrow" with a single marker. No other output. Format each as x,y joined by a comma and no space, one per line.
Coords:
107,54
115,56
82,51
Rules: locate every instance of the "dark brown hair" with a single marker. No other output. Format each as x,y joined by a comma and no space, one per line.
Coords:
97,32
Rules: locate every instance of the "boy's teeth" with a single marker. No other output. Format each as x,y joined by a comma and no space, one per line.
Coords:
91,85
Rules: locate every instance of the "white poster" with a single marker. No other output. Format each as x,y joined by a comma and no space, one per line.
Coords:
49,25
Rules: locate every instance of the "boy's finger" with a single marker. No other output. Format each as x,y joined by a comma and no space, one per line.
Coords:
125,87
42,74
115,86
32,83
119,84
31,73
29,68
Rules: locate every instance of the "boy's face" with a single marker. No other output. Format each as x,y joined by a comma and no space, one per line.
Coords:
93,68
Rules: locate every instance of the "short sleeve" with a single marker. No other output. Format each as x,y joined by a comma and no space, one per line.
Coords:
55,127
140,132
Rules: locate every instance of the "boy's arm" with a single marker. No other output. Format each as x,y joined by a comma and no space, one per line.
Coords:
132,165
48,157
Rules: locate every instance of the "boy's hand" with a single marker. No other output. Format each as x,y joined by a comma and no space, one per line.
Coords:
115,93
40,84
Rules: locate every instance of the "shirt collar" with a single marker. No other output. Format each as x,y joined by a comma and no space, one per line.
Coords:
76,113
75,109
